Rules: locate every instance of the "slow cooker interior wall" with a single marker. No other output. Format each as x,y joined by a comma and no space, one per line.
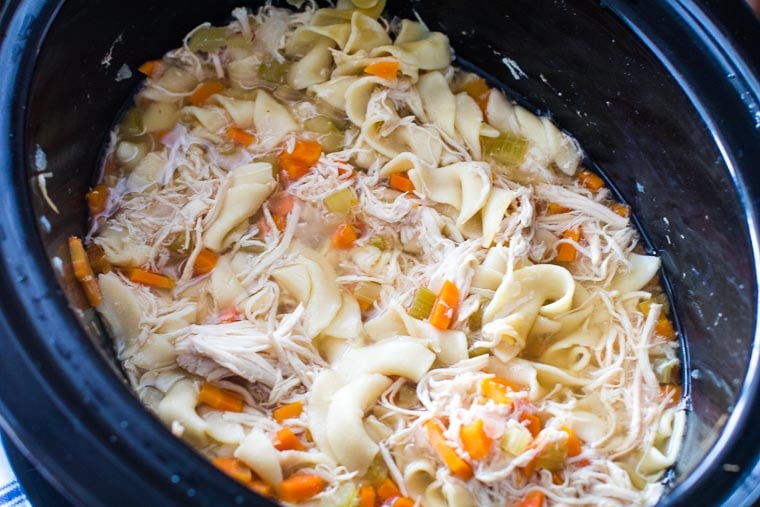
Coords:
581,63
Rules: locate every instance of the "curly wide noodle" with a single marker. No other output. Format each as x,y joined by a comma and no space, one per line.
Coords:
488,200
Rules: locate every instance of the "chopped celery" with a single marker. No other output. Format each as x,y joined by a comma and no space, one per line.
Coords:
366,293
332,142
475,322
516,438
507,149
132,124
273,71
320,124
424,299
377,471
553,455
341,201
378,242
208,39
238,41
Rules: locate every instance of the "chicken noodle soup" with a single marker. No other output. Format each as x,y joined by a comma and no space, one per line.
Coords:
351,274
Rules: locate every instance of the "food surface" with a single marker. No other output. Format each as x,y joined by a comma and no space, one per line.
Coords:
351,274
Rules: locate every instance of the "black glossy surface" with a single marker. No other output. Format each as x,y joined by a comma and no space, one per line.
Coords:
654,92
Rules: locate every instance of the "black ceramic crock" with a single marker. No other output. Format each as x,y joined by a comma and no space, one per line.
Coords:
662,95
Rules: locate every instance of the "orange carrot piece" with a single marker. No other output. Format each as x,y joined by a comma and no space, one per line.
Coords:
151,67
385,69
220,399
591,181
367,496
344,237
474,439
566,251
205,90
288,411
261,487
205,262
533,422
401,182
234,468
144,277
303,157
240,136
621,209
496,389
286,440
97,199
83,271
445,306
479,90
573,442
282,205
672,392
556,209
664,328
532,499
459,467
300,487
387,490
403,501
98,259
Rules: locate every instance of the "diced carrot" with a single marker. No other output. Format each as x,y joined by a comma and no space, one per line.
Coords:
445,306
533,422
97,199
385,69
151,68
557,478
300,487
234,468
621,209
401,182
240,136
583,463
288,411
83,271
479,90
220,399
474,439
282,205
672,392
367,496
98,259
566,251
229,314
205,262
459,467
144,277
303,157
205,90
387,490
591,181
532,499
496,389
261,487
573,442
403,501
664,328
344,237
286,440
556,209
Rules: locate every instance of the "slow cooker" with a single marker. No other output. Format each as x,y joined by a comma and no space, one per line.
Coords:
663,96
